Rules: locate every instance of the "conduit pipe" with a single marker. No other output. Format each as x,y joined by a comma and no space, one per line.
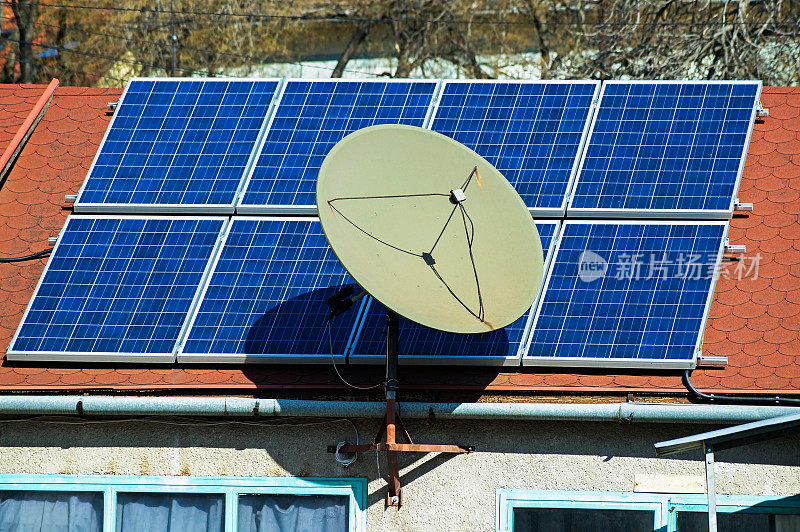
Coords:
625,412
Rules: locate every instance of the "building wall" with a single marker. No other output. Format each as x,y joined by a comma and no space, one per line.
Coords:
440,492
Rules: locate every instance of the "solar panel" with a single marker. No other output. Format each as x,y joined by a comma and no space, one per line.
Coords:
422,345
669,149
627,294
266,298
177,145
310,118
531,131
117,288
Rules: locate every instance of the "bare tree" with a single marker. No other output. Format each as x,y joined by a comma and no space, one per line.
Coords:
424,33
720,39
25,13
356,40
599,39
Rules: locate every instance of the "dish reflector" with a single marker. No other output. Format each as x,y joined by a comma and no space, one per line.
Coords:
429,228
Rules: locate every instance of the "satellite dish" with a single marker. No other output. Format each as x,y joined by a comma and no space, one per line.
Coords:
436,234
429,228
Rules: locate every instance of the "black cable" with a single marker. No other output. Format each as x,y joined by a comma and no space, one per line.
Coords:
330,204
443,228
471,238
447,286
101,56
42,253
346,19
183,47
336,369
64,68
743,399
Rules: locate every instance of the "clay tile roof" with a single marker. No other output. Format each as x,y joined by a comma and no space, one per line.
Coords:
755,322
16,101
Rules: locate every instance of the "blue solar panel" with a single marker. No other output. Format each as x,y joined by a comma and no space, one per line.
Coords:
666,147
311,117
531,132
418,343
121,286
627,294
266,299
178,143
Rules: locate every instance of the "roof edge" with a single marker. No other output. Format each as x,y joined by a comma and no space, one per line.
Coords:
26,129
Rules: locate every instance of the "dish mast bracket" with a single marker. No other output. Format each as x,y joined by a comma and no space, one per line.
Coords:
386,439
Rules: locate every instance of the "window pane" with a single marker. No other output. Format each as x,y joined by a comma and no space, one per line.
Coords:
51,511
574,520
734,522
166,512
293,513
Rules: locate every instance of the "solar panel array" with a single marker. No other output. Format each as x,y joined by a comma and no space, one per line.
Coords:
253,288
118,285
666,148
531,131
184,144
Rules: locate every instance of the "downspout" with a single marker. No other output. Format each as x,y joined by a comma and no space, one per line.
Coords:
25,405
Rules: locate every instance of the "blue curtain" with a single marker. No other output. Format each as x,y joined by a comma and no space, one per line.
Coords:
44,511
293,513
165,512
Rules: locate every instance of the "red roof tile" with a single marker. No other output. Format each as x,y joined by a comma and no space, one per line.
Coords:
16,101
753,322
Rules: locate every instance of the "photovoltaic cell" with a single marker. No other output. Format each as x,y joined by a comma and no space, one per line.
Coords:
178,143
662,146
267,295
420,343
118,286
311,117
531,132
627,294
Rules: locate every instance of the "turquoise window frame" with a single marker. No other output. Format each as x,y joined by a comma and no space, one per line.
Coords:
509,500
231,488
665,505
772,504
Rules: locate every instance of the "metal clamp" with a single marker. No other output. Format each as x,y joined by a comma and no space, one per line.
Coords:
735,248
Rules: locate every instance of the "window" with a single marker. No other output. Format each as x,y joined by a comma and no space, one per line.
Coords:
51,510
568,511
168,504
734,513
557,511
568,519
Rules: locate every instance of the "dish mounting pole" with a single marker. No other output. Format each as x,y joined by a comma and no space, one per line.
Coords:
392,422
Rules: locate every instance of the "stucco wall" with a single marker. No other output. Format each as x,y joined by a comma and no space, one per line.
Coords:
441,492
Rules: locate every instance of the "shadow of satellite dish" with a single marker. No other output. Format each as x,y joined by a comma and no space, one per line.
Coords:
428,342
306,314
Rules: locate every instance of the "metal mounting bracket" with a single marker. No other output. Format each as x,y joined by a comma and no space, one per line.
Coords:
392,423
